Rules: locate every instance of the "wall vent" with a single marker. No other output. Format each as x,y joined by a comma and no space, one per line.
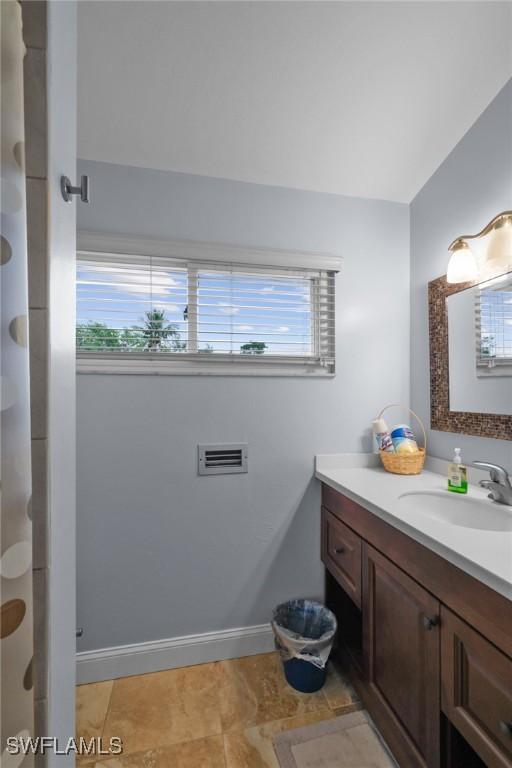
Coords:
222,459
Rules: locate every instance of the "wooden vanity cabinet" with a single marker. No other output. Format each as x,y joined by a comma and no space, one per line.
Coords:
435,641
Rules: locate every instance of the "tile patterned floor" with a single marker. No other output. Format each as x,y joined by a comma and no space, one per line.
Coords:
220,715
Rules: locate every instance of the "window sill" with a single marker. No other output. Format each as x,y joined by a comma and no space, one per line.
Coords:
203,367
500,369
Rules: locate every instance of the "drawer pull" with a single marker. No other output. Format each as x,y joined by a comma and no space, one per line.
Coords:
506,728
339,551
429,622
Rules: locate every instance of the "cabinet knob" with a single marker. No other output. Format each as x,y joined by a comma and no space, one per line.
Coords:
506,728
339,551
429,622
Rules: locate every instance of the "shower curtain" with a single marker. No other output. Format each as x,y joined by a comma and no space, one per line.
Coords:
16,631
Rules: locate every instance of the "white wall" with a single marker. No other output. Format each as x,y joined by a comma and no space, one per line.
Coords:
471,186
163,552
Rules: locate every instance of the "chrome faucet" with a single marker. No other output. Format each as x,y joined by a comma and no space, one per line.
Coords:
499,484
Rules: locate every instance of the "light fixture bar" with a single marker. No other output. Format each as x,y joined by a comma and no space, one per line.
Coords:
498,219
462,264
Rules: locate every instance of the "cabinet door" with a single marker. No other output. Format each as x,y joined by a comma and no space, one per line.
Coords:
401,657
477,690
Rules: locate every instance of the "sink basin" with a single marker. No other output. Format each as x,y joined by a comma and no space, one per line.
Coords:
464,511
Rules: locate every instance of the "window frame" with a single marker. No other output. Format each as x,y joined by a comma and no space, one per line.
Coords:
206,257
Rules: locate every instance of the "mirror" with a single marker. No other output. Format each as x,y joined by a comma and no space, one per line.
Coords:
480,347
460,375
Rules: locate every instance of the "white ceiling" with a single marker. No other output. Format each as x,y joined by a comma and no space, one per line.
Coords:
354,98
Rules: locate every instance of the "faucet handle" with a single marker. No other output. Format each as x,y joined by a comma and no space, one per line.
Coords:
498,474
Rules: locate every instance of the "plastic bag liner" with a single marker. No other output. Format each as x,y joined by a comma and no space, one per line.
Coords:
304,630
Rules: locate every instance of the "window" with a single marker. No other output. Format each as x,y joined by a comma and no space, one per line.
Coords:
151,314
494,329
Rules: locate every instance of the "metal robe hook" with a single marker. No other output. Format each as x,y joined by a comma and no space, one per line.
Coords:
68,190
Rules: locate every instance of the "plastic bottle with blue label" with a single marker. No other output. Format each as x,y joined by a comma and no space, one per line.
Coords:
382,436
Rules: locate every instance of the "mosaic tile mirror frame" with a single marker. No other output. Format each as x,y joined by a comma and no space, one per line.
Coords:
441,417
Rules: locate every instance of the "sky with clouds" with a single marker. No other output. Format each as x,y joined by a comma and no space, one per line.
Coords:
233,309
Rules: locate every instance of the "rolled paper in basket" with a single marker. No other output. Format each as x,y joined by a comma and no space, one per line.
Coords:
404,446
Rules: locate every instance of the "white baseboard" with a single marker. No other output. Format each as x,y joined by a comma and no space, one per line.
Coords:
140,658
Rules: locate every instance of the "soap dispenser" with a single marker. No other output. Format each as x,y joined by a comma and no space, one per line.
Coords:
457,474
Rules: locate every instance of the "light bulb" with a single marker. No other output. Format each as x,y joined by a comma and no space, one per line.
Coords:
499,250
462,266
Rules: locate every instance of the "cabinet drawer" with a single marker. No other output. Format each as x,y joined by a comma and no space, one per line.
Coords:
341,554
477,690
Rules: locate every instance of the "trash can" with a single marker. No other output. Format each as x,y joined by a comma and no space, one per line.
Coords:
304,631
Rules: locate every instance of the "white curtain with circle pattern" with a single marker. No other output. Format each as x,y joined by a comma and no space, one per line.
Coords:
16,630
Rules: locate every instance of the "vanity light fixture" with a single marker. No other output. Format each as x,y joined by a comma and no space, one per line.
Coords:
463,267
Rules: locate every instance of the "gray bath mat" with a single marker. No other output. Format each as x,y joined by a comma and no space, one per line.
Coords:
349,741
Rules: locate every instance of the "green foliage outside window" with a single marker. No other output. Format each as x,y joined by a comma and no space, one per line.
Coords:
253,348
155,334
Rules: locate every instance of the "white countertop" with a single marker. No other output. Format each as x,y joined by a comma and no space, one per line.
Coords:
484,554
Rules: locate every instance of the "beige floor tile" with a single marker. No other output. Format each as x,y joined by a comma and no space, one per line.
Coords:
91,708
339,693
253,690
253,748
164,708
201,753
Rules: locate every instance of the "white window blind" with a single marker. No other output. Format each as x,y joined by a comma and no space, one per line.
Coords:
143,311
494,327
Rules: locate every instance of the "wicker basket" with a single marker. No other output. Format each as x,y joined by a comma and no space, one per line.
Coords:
404,463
